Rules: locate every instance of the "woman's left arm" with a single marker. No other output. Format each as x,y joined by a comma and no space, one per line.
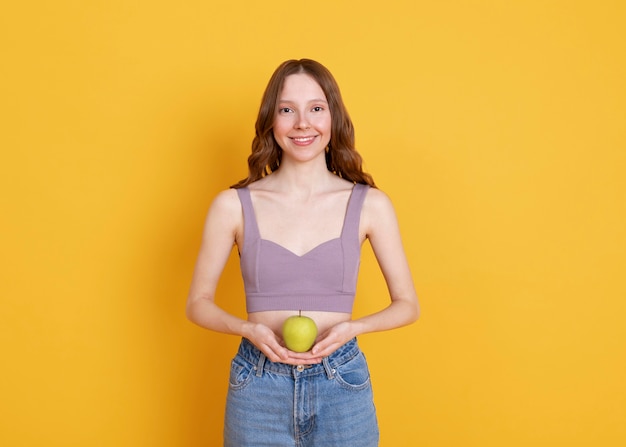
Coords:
380,225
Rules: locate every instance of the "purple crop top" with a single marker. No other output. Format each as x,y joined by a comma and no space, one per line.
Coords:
323,279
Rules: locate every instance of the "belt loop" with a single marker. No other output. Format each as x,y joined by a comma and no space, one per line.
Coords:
330,372
260,364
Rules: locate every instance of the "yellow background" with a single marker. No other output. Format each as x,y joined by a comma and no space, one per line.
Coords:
497,127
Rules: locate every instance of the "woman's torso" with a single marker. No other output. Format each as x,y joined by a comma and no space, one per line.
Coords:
299,224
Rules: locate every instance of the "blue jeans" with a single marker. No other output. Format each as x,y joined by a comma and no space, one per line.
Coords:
275,404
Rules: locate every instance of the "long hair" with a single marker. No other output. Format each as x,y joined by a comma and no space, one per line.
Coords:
341,156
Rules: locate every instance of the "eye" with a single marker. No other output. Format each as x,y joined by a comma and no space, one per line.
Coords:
284,110
318,109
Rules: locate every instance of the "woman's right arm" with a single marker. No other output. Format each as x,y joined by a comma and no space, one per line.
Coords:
222,228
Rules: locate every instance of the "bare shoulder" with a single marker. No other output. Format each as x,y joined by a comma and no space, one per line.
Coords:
227,201
377,201
225,211
378,212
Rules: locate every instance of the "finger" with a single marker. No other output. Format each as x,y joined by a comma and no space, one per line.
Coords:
276,353
325,348
283,353
323,343
304,358
303,361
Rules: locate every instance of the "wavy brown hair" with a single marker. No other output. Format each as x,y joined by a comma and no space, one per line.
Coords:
341,157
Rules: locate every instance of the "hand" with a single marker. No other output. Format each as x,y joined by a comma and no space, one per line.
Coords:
274,348
267,342
333,339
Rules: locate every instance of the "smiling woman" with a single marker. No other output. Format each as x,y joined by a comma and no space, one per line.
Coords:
266,154
299,220
303,123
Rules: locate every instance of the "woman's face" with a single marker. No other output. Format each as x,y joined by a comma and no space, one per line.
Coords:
302,123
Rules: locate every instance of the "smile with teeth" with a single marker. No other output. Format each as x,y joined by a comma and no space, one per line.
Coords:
303,140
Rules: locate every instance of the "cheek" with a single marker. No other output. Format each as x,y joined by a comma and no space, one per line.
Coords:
328,125
322,122
281,125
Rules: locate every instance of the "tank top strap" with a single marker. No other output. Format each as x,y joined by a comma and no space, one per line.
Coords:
353,213
250,227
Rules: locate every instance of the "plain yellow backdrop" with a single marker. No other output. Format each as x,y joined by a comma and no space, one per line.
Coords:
497,127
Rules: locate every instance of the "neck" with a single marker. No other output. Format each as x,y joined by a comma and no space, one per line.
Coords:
303,178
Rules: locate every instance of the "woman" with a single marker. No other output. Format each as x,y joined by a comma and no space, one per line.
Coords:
298,221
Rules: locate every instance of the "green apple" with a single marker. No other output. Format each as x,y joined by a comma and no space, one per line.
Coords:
299,332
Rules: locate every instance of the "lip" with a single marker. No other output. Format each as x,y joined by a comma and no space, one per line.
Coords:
303,141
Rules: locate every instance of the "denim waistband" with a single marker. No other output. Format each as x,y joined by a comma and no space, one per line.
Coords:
252,354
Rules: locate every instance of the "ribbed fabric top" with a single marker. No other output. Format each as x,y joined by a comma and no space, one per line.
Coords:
323,279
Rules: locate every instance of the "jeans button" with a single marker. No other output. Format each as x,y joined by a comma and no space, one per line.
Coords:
300,368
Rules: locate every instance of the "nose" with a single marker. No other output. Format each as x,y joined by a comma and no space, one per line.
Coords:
302,122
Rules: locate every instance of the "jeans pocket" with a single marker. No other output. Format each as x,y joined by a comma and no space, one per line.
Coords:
353,375
240,373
